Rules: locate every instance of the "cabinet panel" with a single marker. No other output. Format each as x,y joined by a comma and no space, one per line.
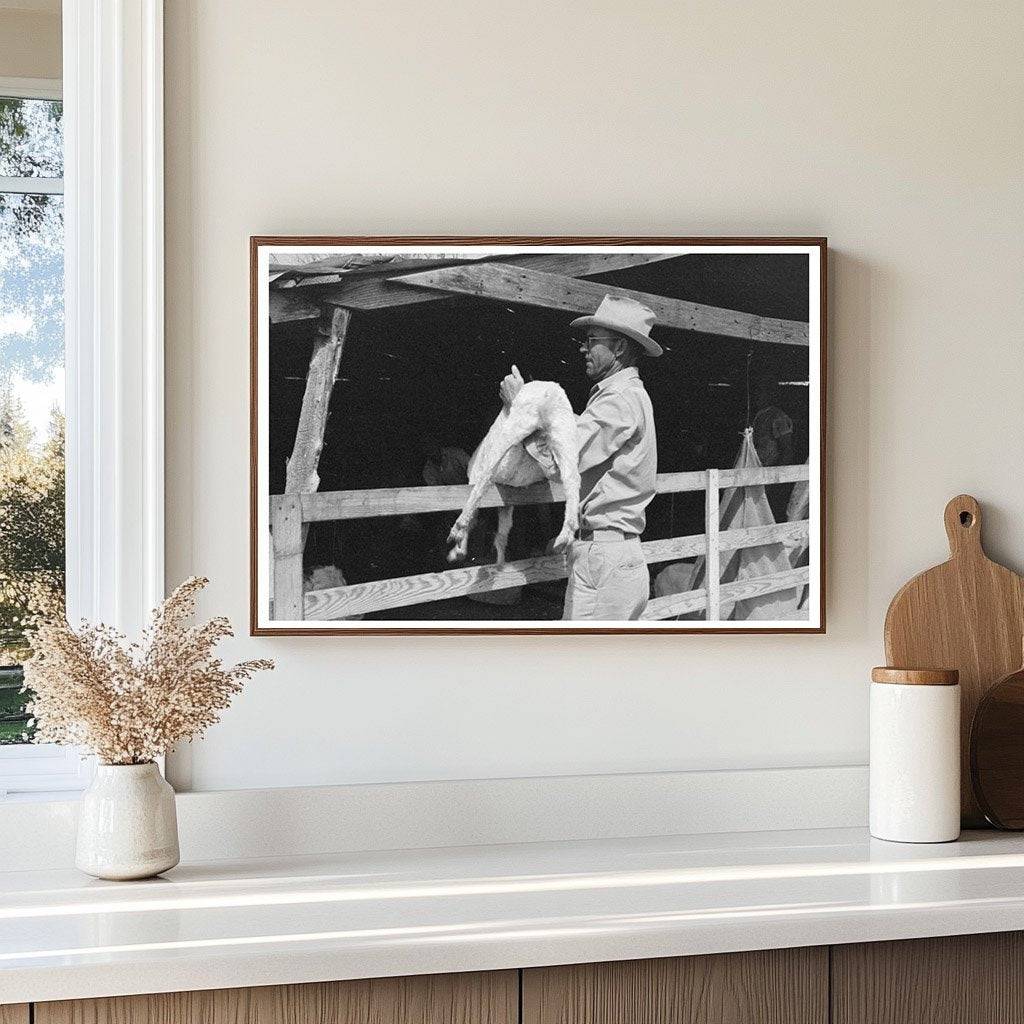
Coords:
778,986
962,979
14,1013
481,998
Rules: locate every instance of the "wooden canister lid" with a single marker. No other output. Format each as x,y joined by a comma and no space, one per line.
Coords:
916,676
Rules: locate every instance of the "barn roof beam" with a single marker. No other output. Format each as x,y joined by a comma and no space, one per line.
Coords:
288,307
510,283
375,290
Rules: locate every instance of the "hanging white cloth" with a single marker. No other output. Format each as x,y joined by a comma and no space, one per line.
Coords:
740,508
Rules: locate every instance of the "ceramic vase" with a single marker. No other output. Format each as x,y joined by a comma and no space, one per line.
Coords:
127,825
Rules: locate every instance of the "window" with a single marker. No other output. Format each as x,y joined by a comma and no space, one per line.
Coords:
104,194
32,531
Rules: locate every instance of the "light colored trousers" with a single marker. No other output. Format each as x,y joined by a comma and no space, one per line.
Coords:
608,581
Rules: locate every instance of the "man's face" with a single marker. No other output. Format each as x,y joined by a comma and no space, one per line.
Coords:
600,349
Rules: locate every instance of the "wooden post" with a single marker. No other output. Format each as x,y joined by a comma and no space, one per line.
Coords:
301,476
286,526
712,567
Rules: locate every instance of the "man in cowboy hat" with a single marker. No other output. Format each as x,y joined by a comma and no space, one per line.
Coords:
608,576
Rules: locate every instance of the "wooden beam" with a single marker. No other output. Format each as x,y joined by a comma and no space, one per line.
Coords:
333,268
301,471
508,283
286,528
361,598
301,476
379,291
713,571
331,506
696,600
288,307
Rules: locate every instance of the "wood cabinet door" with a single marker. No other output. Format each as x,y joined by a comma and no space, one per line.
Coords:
960,979
480,998
14,1013
777,986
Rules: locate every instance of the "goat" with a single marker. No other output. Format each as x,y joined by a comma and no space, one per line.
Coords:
532,439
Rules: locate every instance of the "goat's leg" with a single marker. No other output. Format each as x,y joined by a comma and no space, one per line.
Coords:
459,534
518,426
501,534
567,459
458,537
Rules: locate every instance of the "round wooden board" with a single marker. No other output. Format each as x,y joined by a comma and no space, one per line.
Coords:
997,752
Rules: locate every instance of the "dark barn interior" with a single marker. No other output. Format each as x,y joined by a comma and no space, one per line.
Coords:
417,374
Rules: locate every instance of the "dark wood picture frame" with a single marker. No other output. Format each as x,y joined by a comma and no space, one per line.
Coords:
294,521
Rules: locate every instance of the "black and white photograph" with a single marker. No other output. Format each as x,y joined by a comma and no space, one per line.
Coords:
537,435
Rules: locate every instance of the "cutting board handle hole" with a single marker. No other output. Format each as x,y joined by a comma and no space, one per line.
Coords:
962,517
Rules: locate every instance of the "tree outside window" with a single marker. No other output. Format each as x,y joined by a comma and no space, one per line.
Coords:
31,387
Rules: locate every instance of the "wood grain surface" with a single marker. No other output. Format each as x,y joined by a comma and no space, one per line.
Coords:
329,506
915,676
400,591
738,590
961,979
506,283
780,986
997,752
480,998
302,469
967,614
14,1013
378,290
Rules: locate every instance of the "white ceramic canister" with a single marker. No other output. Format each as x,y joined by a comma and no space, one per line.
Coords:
127,825
915,755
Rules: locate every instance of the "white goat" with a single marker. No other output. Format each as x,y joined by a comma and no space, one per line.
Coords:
540,419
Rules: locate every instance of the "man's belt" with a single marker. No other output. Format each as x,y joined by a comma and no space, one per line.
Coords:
604,536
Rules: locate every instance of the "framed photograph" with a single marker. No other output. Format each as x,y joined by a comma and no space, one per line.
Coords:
537,435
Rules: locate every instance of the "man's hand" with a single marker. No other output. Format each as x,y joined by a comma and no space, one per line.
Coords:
510,387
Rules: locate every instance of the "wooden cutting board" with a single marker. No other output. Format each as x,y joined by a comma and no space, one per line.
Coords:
967,614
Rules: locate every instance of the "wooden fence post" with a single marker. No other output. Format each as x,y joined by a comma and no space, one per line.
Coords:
301,476
712,567
286,526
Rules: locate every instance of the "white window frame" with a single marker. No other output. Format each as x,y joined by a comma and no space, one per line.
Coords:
114,326
32,88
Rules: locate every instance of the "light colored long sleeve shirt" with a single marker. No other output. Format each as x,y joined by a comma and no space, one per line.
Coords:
618,454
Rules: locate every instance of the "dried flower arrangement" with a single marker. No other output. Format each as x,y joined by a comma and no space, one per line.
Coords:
129,703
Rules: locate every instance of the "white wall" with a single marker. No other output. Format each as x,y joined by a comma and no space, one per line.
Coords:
30,40
895,129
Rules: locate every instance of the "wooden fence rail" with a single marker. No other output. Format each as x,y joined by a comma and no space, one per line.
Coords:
289,513
331,506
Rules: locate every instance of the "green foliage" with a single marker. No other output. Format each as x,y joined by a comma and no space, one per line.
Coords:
14,727
31,544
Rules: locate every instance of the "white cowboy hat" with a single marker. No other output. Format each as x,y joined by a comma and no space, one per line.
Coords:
624,316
